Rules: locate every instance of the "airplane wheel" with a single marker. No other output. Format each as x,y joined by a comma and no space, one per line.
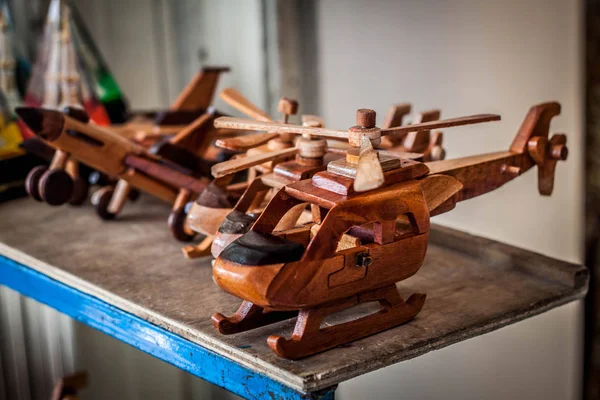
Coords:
80,192
101,200
177,223
438,153
33,180
134,195
56,187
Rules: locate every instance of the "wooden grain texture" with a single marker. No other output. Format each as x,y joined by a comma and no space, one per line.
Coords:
96,257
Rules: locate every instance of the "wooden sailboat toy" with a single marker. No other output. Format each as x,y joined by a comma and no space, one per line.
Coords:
370,229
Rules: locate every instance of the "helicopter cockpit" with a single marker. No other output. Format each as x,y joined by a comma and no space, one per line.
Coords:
327,227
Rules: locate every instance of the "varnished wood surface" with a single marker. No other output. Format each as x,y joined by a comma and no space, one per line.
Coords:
473,285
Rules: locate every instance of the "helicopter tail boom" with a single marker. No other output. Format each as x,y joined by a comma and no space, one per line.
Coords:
483,173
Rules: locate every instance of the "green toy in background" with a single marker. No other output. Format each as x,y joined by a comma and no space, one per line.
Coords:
106,88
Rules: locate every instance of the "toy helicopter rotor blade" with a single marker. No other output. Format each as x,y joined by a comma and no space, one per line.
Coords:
444,123
240,164
369,174
313,121
237,100
276,127
245,142
395,115
341,148
402,154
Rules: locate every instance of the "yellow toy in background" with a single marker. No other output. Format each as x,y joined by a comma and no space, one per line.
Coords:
10,137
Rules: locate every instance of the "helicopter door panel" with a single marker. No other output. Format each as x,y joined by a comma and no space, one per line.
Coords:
356,262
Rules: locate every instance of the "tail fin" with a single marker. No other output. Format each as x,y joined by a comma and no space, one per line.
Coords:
536,123
198,94
533,140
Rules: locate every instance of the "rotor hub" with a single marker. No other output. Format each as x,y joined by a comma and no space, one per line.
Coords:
365,126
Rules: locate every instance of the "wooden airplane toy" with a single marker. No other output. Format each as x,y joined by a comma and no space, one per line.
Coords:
65,89
176,126
311,155
193,101
173,173
370,228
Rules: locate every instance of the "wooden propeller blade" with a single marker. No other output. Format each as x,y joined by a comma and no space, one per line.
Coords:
276,127
240,164
244,142
237,100
444,123
369,174
395,115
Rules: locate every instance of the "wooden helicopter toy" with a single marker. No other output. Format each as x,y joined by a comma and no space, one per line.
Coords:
370,229
215,213
262,153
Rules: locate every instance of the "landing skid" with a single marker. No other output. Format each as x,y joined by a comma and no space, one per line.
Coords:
247,317
309,338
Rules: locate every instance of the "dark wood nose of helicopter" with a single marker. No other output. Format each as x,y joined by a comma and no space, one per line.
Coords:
256,249
236,222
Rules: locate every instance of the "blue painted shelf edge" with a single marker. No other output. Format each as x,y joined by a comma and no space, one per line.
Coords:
147,337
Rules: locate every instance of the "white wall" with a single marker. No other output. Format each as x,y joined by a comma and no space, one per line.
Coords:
465,57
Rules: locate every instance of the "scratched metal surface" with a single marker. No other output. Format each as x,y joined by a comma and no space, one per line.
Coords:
473,286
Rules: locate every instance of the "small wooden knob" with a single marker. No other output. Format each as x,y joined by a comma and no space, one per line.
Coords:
287,106
365,118
312,148
559,152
